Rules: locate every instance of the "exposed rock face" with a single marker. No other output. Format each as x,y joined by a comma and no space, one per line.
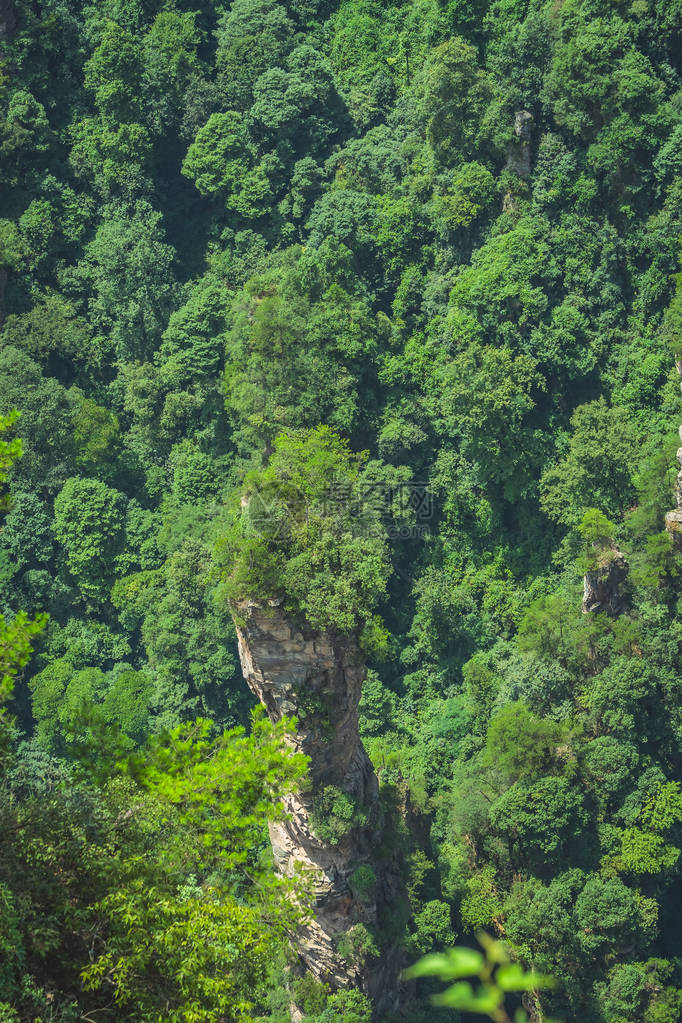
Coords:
673,519
317,677
7,19
602,587
519,152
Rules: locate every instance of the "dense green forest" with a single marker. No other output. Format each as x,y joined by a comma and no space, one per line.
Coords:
429,250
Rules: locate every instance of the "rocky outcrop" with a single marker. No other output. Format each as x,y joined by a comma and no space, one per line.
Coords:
519,150
317,677
673,519
7,19
603,585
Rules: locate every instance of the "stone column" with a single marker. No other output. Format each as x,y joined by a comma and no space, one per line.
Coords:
317,677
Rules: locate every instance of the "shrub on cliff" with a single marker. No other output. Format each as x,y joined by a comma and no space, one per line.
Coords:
309,531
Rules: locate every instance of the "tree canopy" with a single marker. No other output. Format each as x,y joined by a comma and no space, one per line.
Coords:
371,310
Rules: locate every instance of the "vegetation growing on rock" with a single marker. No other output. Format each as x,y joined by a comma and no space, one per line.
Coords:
309,531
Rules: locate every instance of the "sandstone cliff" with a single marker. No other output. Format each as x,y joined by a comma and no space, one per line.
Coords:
318,676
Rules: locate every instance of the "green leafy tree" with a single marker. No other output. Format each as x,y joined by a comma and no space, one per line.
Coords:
174,939
222,162
24,130
504,387
334,816
360,240
52,334
433,927
192,347
344,1007
16,635
116,158
456,92
46,423
89,524
97,438
644,849
252,37
186,634
113,74
596,469
127,266
520,743
300,350
362,46
540,820
76,707
169,64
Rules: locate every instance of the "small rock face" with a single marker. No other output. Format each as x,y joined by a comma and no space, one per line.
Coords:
523,122
673,523
602,587
317,677
519,152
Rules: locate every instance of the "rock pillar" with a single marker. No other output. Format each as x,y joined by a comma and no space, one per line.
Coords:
519,150
602,584
317,677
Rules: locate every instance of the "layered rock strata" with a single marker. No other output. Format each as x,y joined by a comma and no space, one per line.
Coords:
317,677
